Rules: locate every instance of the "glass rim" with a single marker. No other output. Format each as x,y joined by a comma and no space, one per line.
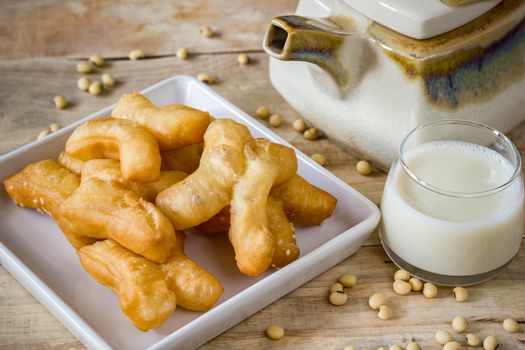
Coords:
441,191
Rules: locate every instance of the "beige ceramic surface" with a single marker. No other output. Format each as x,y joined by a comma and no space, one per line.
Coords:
475,72
419,19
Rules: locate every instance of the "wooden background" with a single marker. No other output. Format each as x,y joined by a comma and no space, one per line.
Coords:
40,43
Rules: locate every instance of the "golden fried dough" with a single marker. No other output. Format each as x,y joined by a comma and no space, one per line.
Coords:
173,126
185,159
218,223
205,192
109,170
196,289
286,249
71,163
44,186
303,203
267,164
139,283
102,210
123,140
283,231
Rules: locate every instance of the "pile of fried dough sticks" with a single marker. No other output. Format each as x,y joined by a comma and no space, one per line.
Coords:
126,186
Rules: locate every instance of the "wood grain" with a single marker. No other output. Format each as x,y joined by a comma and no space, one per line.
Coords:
55,28
40,43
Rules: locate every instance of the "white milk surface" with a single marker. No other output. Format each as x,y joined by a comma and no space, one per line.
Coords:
450,235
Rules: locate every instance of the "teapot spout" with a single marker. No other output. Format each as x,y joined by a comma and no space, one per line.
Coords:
318,41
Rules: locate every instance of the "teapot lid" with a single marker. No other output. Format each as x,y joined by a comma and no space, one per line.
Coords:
422,19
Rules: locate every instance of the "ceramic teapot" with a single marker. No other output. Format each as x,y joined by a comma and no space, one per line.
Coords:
367,72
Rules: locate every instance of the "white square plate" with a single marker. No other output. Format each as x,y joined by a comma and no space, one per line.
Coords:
34,251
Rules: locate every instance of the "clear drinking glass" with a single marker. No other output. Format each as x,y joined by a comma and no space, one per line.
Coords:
453,204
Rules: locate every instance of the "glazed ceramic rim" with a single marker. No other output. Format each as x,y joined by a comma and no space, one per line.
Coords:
441,191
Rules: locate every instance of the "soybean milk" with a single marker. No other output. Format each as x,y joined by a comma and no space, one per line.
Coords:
450,235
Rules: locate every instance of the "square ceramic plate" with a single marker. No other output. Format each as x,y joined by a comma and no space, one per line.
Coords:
34,251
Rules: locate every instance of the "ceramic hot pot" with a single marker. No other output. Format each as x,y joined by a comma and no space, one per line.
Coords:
367,72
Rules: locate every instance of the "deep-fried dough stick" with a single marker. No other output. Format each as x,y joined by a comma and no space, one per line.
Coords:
107,210
71,163
286,249
123,140
196,289
283,231
205,192
109,170
173,126
267,164
218,223
303,203
139,283
185,159
44,186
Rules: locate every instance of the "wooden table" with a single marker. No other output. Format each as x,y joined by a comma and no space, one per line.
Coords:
40,44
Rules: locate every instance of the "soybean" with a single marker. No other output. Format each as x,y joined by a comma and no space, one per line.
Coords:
363,167
43,134
401,287
430,290
299,125
96,59
385,312
263,112
338,298
491,343
83,83
318,158
415,284
442,337
413,346
348,280
401,275
336,287
95,88
459,324
136,54
377,300
311,134
460,294
472,339
60,102
275,332
108,79
275,120
452,345
206,31
54,127
84,67
243,59
205,78
182,53
511,325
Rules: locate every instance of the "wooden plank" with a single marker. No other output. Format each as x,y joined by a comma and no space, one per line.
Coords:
309,320
52,28
29,31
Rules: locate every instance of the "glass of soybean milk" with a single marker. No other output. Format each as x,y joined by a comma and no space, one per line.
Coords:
453,204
